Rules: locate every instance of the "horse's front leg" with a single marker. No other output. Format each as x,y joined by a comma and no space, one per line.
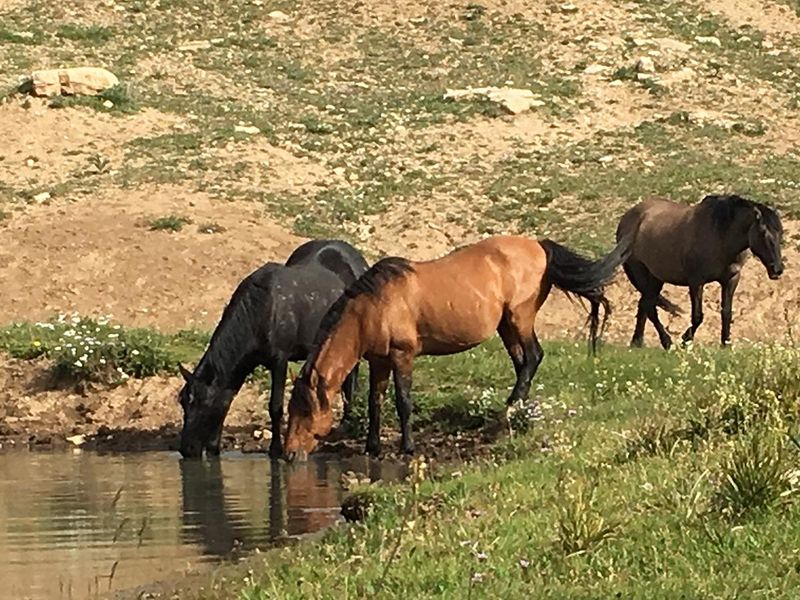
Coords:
277,386
727,289
403,365
696,296
379,371
349,390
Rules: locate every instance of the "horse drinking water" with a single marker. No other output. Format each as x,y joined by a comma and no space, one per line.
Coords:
271,319
692,246
400,309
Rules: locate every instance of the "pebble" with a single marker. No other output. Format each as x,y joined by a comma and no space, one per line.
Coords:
645,64
249,129
709,39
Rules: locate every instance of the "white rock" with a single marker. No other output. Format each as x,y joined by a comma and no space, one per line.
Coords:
340,171
708,39
249,129
668,44
77,440
277,15
594,69
108,104
568,7
42,197
196,45
645,64
513,100
87,81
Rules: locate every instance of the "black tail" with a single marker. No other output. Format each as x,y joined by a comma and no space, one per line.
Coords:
578,275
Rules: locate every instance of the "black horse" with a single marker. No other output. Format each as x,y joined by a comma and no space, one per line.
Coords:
271,319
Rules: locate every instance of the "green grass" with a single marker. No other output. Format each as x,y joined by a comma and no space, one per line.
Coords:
171,223
122,102
92,34
555,513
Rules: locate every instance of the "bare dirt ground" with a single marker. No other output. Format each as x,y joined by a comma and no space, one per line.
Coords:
88,247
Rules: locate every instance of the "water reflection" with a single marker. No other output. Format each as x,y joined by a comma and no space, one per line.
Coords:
110,522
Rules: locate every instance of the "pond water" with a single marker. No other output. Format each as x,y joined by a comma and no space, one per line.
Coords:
76,525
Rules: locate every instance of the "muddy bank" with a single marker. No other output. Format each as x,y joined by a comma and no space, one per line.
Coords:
143,415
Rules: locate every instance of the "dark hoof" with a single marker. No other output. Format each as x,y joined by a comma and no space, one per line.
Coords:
637,343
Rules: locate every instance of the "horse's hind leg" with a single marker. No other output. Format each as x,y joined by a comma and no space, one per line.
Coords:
277,386
526,353
649,287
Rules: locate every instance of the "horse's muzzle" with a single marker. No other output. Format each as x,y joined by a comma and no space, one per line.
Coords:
299,456
191,449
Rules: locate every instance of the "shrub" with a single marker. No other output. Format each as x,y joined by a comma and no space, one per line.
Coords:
755,477
581,527
171,223
87,349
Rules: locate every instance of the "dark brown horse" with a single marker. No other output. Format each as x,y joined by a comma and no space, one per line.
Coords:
692,246
400,309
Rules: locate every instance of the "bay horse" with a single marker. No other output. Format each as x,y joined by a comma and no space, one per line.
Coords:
692,246
401,309
271,319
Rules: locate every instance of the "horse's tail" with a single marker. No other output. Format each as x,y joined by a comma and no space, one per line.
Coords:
580,276
668,306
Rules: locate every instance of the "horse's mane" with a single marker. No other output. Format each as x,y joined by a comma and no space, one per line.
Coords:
370,283
234,332
725,208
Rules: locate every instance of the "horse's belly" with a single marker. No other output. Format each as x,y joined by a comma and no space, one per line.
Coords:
438,347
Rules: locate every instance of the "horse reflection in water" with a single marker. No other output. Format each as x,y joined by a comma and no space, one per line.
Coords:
206,516
302,498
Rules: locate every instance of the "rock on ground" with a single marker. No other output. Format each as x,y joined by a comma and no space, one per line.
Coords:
513,100
87,81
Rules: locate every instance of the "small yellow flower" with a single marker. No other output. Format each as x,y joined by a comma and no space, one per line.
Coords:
36,343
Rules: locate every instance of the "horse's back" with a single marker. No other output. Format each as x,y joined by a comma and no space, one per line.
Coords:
336,256
663,231
296,299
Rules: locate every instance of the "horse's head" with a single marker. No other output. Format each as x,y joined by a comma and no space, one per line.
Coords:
205,405
307,422
764,240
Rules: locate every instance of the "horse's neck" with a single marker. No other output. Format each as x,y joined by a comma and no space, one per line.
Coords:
339,354
736,239
231,362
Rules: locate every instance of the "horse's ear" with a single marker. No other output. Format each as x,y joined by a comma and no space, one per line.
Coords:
187,374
